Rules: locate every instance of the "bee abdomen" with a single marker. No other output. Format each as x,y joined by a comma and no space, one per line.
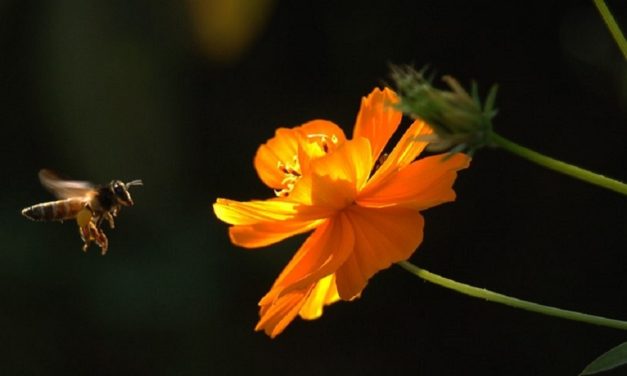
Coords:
54,210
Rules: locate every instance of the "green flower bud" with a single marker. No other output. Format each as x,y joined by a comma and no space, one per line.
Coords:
459,120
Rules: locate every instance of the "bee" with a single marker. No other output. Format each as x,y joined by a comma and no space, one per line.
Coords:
89,204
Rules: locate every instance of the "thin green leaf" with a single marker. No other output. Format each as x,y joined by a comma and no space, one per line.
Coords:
611,359
491,98
474,93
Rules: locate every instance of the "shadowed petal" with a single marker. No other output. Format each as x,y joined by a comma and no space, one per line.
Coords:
382,237
377,119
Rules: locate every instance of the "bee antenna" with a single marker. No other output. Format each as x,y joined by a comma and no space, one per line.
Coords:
134,182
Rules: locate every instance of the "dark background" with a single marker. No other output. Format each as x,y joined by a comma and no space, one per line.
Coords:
134,89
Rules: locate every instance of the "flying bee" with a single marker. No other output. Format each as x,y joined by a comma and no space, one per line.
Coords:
89,204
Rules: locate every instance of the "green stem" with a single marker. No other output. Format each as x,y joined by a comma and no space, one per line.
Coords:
508,300
612,26
554,164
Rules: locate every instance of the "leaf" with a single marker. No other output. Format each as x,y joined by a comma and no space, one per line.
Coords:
611,359
490,99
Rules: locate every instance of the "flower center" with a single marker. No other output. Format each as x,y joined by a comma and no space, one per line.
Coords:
317,145
291,172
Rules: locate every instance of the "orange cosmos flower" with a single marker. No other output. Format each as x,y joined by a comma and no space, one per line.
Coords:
364,210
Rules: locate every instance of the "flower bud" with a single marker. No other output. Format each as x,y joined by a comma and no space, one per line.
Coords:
458,119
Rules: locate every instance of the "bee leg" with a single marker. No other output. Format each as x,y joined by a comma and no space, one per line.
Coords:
103,242
98,220
109,216
101,239
91,233
85,236
84,220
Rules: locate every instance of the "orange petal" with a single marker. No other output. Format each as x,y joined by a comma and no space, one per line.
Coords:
406,150
334,179
307,302
351,161
260,223
283,147
382,237
263,234
318,138
323,293
377,119
421,185
332,194
321,254
317,129
275,317
292,147
251,212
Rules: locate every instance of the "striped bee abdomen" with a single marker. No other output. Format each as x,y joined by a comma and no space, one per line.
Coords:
54,210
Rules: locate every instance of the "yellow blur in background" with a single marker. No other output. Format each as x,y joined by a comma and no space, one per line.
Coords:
226,28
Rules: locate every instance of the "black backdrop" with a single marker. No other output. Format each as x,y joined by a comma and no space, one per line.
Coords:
126,89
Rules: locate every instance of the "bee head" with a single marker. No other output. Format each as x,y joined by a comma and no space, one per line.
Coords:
120,191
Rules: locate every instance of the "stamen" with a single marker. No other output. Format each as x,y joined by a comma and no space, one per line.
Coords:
317,135
292,174
292,171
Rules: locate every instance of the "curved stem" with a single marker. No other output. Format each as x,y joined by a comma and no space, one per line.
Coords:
612,26
510,301
559,166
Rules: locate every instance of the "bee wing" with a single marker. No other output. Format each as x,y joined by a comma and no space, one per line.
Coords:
62,188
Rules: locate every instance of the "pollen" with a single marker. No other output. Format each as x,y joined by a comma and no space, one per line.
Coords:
83,217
